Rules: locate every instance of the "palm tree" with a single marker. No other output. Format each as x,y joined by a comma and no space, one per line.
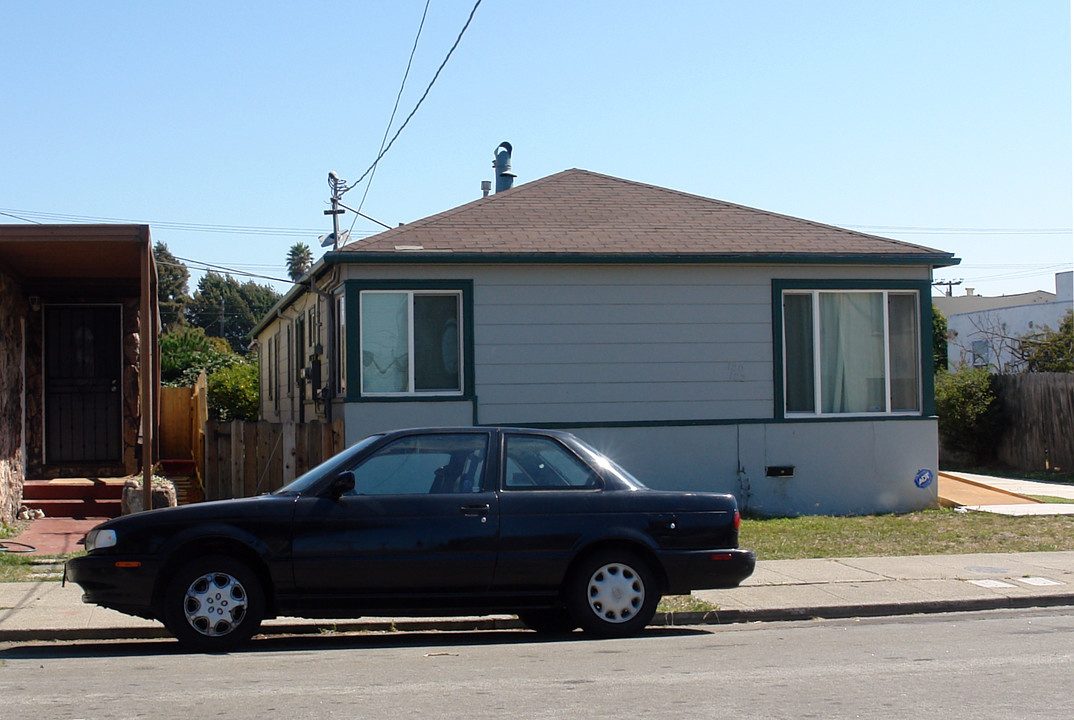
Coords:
299,260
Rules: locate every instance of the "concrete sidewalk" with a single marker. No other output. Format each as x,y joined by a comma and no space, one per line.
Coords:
778,590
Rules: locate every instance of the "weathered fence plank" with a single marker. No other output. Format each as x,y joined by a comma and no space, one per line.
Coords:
243,459
1040,421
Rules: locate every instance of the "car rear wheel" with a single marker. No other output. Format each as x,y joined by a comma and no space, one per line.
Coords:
612,593
214,604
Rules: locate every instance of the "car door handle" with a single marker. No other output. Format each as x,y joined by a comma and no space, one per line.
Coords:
475,510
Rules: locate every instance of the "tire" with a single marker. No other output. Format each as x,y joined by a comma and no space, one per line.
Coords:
214,604
552,621
612,593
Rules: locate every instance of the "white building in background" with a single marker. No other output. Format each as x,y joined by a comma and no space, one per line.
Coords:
985,331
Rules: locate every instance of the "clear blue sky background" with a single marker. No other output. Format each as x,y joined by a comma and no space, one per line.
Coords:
893,117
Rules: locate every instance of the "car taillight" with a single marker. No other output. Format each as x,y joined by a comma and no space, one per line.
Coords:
738,520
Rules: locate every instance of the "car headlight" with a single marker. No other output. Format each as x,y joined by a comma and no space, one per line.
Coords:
97,539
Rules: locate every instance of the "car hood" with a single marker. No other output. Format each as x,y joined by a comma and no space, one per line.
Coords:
202,512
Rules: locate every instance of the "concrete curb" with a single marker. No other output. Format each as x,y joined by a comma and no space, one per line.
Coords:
680,619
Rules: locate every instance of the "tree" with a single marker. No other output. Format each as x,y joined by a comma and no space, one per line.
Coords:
172,293
224,308
939,340
1051,350
187,351
299,260
233,392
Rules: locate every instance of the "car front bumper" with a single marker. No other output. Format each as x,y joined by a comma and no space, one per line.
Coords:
118,582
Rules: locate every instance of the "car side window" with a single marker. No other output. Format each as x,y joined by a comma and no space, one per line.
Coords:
539,463
423,464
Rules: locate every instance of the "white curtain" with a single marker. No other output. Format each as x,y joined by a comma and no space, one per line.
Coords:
385,354
852,352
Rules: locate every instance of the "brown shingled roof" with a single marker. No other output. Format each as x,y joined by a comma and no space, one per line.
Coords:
581,213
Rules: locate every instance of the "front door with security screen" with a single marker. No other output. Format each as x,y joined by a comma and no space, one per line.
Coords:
83,394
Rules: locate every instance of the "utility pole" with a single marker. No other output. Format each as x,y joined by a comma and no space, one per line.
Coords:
338,188
948,283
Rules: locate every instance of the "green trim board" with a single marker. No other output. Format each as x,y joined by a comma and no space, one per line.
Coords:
710,423
352,290
340,257
923,289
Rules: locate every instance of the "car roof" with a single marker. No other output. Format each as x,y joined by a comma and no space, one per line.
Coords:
477,428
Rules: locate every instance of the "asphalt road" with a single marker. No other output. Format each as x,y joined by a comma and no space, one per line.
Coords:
964,665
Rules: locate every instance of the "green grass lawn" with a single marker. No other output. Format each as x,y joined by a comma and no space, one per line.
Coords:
1053,476
928,532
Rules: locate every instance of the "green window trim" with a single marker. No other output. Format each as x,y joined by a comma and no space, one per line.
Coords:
352,290
923,288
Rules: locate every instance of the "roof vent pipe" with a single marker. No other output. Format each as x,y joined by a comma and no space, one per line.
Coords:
504,177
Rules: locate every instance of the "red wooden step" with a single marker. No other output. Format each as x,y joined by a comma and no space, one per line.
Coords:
75,497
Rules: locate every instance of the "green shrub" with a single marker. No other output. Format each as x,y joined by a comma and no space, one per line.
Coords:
969,413
233,392
186,351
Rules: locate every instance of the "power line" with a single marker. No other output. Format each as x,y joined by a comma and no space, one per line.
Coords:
20,218
212,266
958,231
164,224
421,99
398,97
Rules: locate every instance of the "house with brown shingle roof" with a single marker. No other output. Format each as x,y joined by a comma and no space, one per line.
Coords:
703,344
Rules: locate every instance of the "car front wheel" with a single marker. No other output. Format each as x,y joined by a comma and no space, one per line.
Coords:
214,604
612,593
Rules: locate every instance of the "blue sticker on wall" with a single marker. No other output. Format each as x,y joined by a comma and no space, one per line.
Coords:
923,478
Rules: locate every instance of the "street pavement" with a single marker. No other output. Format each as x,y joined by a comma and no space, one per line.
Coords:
778,590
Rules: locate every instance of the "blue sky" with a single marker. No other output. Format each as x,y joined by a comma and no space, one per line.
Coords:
942,123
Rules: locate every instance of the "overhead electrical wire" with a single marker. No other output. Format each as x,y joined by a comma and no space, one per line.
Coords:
958,231
211,267
391,119
35,222
163,224
424,95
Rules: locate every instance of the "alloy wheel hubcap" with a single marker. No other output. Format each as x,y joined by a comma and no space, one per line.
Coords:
616,593
215,604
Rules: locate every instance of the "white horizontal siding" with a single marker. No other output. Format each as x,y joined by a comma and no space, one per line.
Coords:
622,343
596,413
496,353
624,371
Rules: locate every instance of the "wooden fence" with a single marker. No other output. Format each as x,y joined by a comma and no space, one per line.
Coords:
183,413
1039,409
243,459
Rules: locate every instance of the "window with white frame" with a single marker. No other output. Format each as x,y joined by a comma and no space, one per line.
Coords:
411,342
851,352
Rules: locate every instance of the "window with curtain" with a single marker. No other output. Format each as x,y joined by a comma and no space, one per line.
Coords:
410,342
851,352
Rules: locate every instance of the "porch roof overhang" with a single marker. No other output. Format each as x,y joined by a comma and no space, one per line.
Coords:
87,259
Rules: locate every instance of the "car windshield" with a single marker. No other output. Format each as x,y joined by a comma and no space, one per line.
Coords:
329,467
608,465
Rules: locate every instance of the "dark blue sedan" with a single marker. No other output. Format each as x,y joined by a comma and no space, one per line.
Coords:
423,522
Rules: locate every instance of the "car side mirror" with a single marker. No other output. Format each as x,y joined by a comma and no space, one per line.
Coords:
342,485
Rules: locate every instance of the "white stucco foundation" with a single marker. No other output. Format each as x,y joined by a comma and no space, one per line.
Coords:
839,468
